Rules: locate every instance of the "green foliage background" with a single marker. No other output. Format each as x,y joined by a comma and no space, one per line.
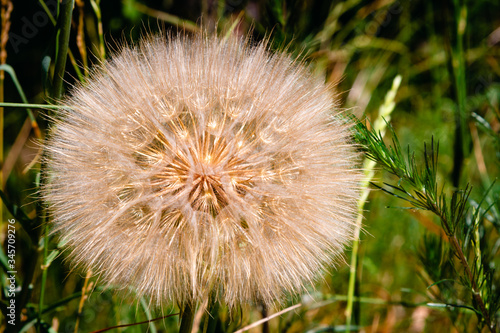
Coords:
409,275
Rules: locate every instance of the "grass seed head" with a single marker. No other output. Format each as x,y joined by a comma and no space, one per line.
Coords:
194,166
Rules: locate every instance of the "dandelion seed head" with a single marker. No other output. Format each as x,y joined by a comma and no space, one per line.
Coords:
189,166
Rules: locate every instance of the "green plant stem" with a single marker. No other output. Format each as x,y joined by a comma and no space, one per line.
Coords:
463,260
28,106
187,318
145,308
368,169
379,301
8,69
47,11
475,292
70,54
61,302
63,41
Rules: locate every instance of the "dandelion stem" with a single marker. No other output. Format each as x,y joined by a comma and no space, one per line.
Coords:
187,318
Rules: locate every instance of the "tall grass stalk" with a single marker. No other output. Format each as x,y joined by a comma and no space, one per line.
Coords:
458,64
96,6
166,17
147,312
379,125
82,299
70,54
64,19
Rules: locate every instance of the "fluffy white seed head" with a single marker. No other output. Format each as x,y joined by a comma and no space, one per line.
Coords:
187,167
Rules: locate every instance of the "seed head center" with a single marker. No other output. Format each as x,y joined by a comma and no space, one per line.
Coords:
207,193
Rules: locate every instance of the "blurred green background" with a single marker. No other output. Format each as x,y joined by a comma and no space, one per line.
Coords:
448,55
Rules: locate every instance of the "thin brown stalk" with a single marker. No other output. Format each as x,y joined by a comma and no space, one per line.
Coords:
134,324
85,289
475,292
262,321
